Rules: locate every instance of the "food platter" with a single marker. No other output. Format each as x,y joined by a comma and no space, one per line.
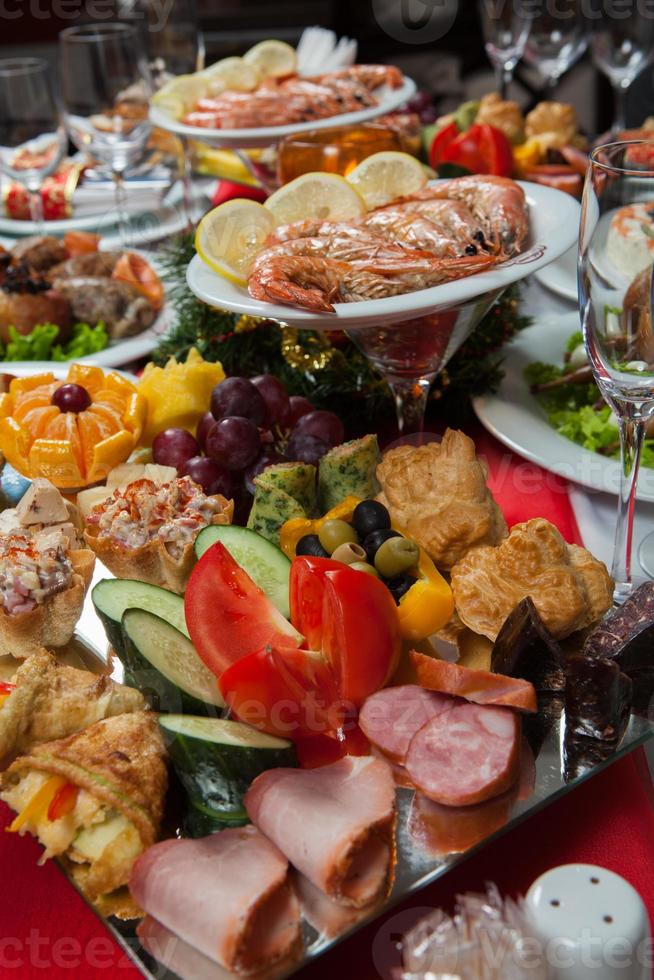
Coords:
388,99
553,221
417,864
514,416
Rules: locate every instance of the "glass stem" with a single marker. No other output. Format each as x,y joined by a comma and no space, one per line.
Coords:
187,183
503,77
632,431
120,196
36,210
620,108
410,403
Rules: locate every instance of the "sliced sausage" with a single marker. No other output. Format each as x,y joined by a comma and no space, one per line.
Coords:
390,718
480,686
467,755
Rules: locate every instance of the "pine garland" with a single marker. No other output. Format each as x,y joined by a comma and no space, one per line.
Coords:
336,368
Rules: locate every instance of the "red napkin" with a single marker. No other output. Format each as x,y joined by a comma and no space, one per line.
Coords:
48,929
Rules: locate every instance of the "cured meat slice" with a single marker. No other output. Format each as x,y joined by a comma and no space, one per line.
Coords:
335,824
467,755
526,648
597,699
627,634
227,895
480,686
391,717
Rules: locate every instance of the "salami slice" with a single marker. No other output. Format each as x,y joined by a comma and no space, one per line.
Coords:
390,718
480,686
467,755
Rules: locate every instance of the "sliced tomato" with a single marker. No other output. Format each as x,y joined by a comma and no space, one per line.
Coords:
228,616
289,693
63,802
482,149
81,242
134,269
6,687
352,618
319,750
442,139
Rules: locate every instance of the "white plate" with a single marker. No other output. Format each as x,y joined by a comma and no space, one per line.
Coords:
561,276
553,218
515,417
387,100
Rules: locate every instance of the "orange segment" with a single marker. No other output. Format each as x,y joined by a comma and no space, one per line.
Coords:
109,453
54,459
37,420
92,430
20,385
88,376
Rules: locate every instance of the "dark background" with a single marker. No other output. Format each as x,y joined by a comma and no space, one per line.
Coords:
453,67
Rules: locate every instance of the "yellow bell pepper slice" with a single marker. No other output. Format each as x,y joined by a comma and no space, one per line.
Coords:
428,605
297,527
527,155
37,807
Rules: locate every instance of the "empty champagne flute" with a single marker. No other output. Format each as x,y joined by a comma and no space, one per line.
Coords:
106,86
558,36
32,135
505,27
621,49
616,251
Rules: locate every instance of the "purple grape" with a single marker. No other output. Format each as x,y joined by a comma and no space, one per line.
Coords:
274,395
71,398
212,477
238,397
297,407
267,458
204,425
322,425
173,447
429,115
419,101
306,448
234,442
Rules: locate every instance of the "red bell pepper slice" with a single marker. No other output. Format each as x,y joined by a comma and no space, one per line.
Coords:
352,618
228,616
442,139
482,149
320,750
6,687
289,693
63,802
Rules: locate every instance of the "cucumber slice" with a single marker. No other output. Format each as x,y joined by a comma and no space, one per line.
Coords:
200,820
112,596
216,761
266,564
162,663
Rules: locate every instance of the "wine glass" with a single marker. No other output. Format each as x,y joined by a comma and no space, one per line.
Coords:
505,27
558,36
615,297
621,49
100,65
32,135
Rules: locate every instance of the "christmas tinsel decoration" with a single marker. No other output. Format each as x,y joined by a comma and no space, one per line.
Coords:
327,367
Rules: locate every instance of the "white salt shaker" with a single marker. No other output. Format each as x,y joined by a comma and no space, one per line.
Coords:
592,924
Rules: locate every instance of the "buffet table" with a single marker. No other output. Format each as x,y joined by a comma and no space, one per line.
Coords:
608,821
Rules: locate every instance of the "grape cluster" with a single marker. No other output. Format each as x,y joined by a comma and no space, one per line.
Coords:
423,104
251,424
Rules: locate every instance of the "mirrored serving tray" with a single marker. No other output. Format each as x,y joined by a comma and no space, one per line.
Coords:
430,839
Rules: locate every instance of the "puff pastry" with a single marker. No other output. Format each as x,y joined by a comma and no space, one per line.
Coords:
569,587
438,494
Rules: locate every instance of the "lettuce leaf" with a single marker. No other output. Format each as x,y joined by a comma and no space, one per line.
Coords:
40,344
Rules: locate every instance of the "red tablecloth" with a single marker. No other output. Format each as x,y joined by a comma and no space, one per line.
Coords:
47,929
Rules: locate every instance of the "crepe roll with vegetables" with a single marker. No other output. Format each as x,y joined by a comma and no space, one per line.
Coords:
94,798
47,700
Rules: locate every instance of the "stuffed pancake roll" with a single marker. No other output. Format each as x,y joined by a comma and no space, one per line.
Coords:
47,700
94,798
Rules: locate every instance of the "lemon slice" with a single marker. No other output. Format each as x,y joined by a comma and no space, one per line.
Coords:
180,94
231,74
328,197
229,238
383,177
272,59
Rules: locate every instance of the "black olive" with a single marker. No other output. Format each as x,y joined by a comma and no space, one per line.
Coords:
373,541
370,516
310,545
479,237
471,250
399,585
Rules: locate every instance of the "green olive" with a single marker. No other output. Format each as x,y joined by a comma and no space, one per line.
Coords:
334,533
396,555
363,566
349,553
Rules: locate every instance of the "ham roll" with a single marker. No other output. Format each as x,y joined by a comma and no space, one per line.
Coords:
467,755
480,686
391,717
334,824
227,895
